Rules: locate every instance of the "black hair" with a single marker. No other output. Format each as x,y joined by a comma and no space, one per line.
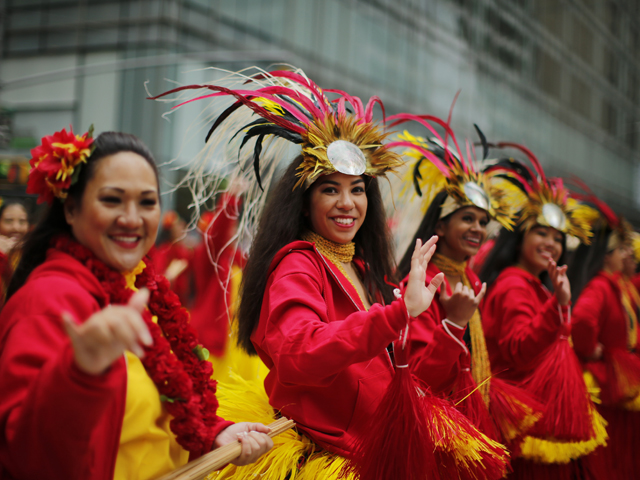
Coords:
283,222
426,230
587,261
504,253
35,243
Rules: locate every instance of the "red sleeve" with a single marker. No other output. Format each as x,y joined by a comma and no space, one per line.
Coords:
49,408
436,348
308,347
586,319
527,327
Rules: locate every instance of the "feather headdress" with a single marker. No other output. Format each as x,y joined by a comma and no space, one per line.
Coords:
254,123
438,168
295,109
605,218
546,201
635,245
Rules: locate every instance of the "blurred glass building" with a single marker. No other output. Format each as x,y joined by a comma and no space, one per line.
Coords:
560,76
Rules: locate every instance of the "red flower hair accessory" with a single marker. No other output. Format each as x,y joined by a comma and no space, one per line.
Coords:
54,164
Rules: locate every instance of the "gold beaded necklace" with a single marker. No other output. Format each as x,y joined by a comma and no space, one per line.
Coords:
480,366
336,253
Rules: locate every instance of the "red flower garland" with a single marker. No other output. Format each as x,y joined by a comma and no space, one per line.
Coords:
183,377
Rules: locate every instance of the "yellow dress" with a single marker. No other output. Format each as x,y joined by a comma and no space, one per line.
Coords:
234,358
148,449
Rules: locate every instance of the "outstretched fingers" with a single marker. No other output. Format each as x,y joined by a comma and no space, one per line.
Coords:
481,293
435,283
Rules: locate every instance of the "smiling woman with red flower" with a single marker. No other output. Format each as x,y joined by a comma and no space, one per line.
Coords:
102,375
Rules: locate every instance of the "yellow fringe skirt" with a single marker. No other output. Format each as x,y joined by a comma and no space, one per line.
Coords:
555,451
293,456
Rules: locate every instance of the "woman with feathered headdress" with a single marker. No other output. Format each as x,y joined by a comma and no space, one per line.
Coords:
605,336
448,344
315,303
528,328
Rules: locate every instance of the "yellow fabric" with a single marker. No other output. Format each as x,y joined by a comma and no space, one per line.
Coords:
295,457
336,253
480,365
148,448
235,360
555,451
594,389
130,277
629,296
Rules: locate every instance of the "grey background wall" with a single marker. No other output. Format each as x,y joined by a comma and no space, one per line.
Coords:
560,76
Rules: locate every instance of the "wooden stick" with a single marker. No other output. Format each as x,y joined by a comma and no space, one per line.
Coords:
212,461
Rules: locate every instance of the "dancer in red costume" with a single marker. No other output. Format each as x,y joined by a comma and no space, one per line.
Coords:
605,336
92,387
459,202
527,327
14,224
315,305
173,258
213,262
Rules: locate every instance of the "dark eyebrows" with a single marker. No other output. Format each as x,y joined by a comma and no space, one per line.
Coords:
333,182
121,190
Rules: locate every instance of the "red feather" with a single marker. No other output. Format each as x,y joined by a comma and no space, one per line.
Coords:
532,158
428,154
252,105
368,112
354,101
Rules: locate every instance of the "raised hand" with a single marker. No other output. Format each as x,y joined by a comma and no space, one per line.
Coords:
6,244
462,303
104,337
418,296
560,282
254,439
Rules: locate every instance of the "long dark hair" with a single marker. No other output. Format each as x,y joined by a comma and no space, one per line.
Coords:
277,229
53,223
505,254
587,261
426,230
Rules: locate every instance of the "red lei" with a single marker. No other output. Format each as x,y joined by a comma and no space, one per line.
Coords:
174,362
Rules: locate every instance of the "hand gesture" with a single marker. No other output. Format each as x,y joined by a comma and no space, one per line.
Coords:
462,303
560,282
175,268
253,437
6,244
418,296
104,337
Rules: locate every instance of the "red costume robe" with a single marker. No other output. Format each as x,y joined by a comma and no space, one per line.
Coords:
327,355
56,421
527,331
441,359
600,318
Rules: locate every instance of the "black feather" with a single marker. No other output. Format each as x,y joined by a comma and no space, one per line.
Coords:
483,141
222,117
417,176
257,150
271,129
260,121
